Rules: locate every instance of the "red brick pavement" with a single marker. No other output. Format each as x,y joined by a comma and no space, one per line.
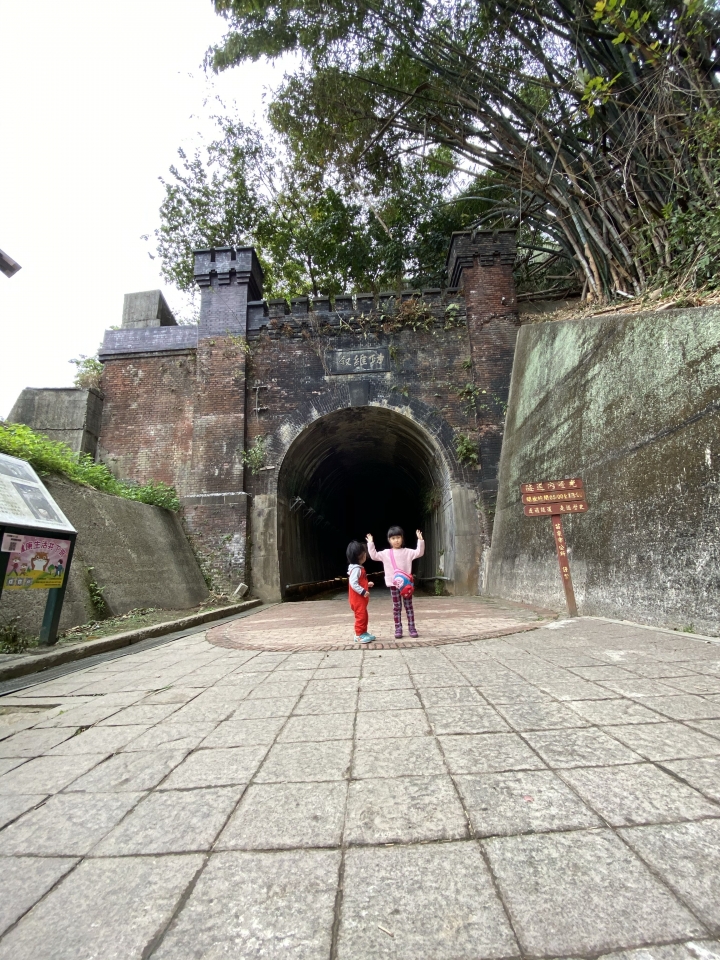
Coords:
328,624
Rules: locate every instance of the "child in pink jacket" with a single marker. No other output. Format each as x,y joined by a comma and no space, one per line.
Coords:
403,558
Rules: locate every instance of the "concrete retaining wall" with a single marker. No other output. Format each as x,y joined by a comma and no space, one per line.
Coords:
632,405
139,555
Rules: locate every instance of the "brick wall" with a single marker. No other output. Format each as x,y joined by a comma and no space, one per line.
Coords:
483,264
147,422
216,511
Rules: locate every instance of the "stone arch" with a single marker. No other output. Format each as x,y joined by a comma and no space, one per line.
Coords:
338,464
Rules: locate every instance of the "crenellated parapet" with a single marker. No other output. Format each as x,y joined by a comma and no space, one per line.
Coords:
488,248
225,266
387,312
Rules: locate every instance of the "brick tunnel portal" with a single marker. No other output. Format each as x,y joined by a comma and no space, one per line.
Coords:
359,471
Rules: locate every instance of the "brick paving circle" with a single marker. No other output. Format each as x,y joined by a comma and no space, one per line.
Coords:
328,624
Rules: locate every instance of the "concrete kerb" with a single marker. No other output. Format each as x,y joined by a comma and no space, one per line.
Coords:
36,663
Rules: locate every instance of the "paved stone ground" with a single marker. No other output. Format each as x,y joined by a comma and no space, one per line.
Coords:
554,793
328,624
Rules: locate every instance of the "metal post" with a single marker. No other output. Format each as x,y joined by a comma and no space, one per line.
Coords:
564,562
4,560
53,607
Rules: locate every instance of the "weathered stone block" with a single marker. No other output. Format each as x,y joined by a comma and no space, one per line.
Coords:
147,309
66,414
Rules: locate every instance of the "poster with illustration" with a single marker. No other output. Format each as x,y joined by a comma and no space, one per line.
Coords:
24,499
35,563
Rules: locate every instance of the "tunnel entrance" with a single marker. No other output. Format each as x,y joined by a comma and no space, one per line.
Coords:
359,471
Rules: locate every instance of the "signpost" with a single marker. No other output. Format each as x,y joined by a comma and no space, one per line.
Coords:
36,541
554,498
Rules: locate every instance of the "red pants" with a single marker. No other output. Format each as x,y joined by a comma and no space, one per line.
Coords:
360,609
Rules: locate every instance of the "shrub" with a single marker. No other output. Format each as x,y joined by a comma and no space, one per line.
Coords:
255,456
13,639
466,450
51,457
89,372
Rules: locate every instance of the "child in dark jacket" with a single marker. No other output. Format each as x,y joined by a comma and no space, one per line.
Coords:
359,589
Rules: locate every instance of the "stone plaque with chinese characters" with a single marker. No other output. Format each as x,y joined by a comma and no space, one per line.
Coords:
365,360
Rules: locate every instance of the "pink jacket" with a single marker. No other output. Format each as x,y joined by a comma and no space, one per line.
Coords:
403,559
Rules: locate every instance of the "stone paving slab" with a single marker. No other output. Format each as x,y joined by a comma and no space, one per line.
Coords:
110,909
685,856
172,821
428,901
247,904
583,892
24,880
489,798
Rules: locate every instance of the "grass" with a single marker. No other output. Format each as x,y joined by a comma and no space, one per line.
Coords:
51,457
13,639
135,619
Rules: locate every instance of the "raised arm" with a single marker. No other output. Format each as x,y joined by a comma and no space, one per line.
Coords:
419,550
374,554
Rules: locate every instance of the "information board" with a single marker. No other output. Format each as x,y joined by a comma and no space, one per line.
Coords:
25,502
35,562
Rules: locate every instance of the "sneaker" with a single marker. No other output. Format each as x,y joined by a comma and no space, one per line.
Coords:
365,638
414,634
398,634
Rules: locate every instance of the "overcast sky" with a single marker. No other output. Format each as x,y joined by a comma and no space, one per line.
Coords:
96,99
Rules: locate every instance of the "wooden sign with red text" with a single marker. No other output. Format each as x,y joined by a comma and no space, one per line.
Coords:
554,498
564,562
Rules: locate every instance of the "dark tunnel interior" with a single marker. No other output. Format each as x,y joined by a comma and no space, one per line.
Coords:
354,472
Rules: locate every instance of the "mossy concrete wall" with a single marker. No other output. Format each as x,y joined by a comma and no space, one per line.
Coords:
138,554
632,405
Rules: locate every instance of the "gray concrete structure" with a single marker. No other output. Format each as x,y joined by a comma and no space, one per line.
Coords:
137,554
66,414
147,308
632,405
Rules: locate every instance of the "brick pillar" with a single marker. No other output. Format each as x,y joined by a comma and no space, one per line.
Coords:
481,262
216,510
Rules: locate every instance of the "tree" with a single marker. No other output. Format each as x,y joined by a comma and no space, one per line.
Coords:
315,230
597,120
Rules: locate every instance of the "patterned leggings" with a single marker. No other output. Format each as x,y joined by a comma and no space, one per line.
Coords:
397,610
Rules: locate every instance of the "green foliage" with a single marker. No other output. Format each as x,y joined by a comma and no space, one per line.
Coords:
240,344
89,371
431,501
13,639
254,457
95,592
315,230
692,219
466,450
469,395
50,457
568,119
